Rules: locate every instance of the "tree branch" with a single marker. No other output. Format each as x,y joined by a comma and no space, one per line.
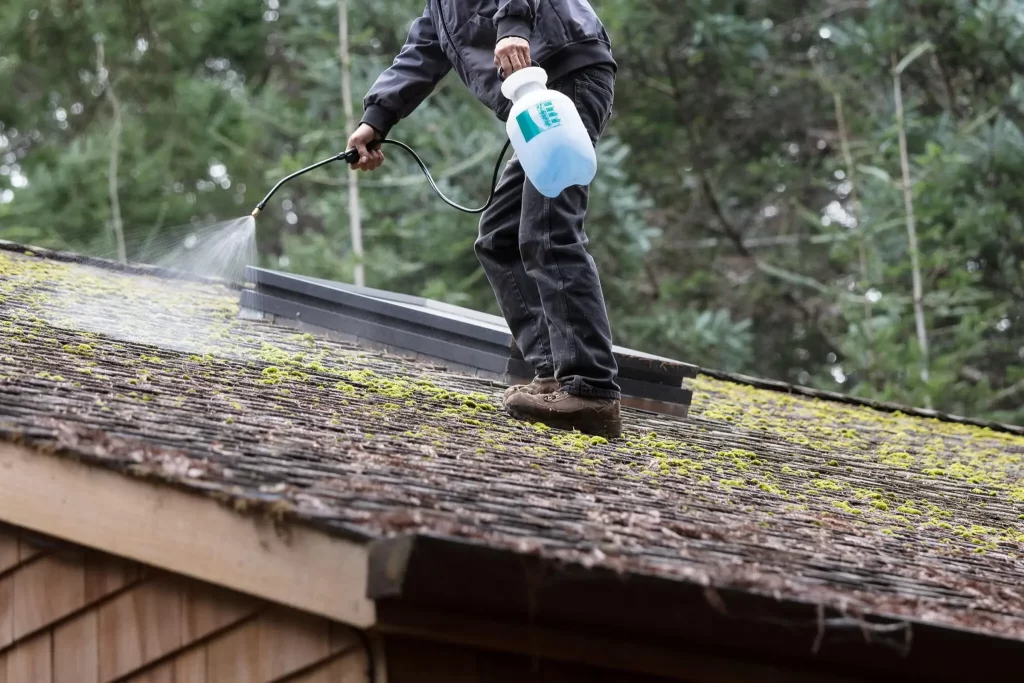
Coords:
116,129
908,202
1007,393
862,238
736,237
354,215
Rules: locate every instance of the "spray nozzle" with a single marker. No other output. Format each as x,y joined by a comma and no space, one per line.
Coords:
349,156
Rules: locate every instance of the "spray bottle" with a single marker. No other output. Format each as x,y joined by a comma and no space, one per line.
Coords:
547,133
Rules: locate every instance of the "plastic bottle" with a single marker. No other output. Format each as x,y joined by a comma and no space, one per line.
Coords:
547,133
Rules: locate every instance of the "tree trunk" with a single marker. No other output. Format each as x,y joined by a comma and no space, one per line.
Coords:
354,215
116,127
862,238
908,202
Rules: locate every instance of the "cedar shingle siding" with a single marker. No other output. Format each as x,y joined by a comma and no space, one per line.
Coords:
69,615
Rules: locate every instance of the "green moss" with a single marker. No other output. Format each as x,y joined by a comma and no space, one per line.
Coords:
79,349
575,441
772,488
845,506
307,338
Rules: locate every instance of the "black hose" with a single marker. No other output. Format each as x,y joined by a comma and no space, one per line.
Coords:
352,155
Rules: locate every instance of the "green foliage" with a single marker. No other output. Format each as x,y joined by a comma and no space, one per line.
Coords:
737,224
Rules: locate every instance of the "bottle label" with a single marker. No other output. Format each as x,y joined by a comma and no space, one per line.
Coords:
536,119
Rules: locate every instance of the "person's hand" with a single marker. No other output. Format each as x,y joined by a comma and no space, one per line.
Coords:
512,54
369,159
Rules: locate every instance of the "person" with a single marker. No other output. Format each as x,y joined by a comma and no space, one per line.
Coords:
533,249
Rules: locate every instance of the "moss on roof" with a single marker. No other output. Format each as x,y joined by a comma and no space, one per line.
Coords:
777,493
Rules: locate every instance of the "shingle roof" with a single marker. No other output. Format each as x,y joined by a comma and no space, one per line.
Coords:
760,490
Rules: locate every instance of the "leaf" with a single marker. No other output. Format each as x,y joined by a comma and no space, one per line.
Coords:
875,172
758,52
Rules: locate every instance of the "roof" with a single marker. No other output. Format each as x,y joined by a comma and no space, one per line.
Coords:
759,492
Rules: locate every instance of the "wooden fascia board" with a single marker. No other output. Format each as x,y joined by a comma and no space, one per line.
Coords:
185,533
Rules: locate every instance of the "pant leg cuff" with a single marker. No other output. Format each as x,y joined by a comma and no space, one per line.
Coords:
578,387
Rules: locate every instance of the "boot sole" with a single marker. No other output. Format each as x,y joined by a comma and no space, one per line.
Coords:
609,429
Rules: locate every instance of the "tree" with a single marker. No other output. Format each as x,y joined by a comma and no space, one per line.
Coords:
750,210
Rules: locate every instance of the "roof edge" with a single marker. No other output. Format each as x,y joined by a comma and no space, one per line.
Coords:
836,397
56,494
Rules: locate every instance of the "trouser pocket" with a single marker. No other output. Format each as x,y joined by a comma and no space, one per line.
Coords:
593,93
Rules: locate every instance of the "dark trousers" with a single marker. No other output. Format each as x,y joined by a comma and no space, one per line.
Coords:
534,252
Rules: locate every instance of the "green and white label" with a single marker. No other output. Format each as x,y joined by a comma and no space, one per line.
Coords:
537,119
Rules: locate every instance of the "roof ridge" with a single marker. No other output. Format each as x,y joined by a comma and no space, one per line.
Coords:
129,268
836,397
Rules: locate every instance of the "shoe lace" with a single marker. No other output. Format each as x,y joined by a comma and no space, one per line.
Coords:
556,396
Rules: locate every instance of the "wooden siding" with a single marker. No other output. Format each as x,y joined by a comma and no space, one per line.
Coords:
70,615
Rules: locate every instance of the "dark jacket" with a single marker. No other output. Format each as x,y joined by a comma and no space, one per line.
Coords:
564,35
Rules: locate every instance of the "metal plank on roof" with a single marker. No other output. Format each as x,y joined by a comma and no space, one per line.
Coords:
443,331
384,334
410,299
369,291
397,297
457,312
401,311
474,324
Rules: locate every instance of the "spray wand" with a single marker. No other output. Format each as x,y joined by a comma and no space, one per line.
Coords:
352,155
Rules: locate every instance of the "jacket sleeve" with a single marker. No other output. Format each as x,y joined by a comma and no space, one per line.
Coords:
414,74
516,18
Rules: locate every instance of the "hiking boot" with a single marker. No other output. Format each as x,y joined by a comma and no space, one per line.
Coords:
562,410
539,385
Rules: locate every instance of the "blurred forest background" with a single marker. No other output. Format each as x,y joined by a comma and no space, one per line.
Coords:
826,192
